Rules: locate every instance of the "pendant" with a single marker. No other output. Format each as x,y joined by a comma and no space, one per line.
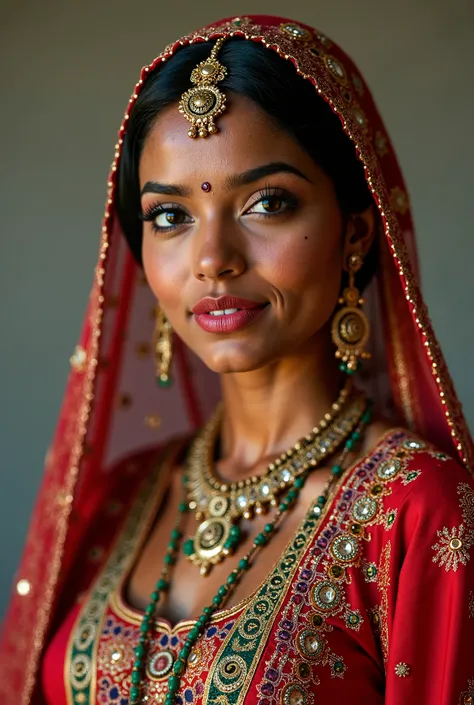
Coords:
216,538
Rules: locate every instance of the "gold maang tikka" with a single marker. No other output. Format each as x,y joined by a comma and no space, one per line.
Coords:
204,102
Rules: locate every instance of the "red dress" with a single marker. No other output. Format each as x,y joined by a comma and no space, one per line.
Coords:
372,604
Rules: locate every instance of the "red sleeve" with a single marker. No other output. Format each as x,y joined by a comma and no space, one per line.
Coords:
429,590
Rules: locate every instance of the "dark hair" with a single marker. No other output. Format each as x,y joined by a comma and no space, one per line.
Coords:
272,83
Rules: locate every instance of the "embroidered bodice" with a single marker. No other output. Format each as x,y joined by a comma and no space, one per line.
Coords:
338,617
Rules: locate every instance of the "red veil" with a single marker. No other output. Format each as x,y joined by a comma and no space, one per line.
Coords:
111,405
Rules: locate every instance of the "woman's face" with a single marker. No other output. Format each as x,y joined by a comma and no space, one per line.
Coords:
268,233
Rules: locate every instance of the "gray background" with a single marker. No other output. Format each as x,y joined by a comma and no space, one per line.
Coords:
68,69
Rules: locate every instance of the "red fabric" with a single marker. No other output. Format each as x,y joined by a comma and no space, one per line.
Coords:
91,427
414,611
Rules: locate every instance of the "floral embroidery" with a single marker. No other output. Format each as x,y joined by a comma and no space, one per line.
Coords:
410,476
471,604
402,670
369,571
353,619
390,517
452,549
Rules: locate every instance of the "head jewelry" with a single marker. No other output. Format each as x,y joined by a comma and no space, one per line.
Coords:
204,102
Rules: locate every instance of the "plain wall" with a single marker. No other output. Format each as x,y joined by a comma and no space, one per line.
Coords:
67,70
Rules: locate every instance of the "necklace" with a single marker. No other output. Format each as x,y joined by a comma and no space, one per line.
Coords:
213,428
220,510
177,667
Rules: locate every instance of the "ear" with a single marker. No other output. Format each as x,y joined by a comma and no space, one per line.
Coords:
360,233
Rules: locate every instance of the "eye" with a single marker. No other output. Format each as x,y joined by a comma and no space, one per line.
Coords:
272,202
166,217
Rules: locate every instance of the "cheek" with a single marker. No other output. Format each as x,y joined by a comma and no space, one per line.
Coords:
163,271
306,265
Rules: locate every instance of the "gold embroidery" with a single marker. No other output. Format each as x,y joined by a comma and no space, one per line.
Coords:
353,619
402,670
390,517
80,665
467,696
399,200
383,583
410,476
369,571
452,549
78,359
153,421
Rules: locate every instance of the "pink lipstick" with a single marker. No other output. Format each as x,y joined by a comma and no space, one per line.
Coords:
226,314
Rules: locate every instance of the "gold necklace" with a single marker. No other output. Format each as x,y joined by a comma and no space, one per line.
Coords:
220,509
213,429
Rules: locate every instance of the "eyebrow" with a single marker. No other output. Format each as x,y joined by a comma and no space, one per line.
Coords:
234,181
165,189
259,172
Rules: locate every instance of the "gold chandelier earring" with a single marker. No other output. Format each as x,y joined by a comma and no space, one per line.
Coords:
350,327
163,348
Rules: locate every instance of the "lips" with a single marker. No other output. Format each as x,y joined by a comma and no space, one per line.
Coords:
227,313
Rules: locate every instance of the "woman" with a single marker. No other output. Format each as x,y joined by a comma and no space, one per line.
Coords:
257,557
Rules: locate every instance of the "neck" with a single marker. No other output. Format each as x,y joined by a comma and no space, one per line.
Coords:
267,410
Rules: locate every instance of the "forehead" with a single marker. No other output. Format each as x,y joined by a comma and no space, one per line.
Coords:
247,138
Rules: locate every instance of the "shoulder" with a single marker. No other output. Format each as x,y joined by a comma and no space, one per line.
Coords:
426,488
424,476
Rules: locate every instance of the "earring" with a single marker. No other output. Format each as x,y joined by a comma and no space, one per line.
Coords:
163,348
350,327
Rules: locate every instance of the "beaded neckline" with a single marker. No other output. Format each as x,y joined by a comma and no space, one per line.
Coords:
118,600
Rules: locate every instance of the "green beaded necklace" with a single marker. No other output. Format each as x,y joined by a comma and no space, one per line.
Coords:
225,590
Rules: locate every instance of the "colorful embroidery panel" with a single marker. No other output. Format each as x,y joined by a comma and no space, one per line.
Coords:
323,615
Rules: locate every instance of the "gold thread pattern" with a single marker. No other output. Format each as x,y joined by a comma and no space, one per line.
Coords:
452,549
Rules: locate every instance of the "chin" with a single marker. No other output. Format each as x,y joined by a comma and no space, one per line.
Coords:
235,360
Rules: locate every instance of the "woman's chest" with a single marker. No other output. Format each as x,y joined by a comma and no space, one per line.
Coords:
316,626
306,631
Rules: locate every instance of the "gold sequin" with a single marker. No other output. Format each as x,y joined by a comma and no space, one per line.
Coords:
402,670
153,421
23,587
78,359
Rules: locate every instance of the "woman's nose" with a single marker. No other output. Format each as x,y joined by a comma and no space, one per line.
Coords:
219,255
